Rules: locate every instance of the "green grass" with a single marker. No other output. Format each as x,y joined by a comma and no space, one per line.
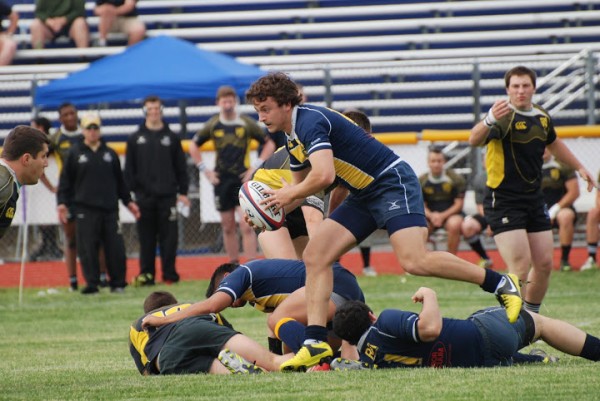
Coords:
69,347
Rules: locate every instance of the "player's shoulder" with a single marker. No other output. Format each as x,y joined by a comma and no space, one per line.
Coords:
454,176
6,184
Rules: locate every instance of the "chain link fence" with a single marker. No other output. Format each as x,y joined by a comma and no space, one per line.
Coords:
200,233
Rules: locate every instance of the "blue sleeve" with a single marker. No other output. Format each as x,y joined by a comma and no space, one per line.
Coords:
400,324
236,283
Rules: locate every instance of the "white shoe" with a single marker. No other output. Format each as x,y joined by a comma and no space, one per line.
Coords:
369,271
590,264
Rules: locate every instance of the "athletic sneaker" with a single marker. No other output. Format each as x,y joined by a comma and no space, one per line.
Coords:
309,355
236,364
590,264
565,266
144,279
341,364
542,353
508,293
485,263
324,367
369,271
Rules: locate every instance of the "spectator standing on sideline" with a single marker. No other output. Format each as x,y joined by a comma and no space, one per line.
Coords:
54,18
22,162
324,146
68,135
516,133
48,247
119,16
592,221
561,190
444,195
231,134
156,172
8,47
92,183
473,225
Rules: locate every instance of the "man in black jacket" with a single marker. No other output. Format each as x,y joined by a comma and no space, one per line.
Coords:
92,183
155,170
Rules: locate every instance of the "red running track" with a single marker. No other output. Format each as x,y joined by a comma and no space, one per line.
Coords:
53,274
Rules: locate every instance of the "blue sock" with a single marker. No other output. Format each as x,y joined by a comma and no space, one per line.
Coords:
491,280
291,333
313,332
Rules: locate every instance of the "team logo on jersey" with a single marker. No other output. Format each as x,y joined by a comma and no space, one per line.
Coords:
165,141
446,187
240,132
82,159
521,125
107,157
555,174
219,133
10,212
394,205
141,140
544,122
505,220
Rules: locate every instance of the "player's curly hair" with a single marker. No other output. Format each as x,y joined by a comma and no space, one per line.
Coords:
277,85
217,276
351,320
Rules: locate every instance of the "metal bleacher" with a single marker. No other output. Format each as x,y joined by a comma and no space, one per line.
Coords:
411,65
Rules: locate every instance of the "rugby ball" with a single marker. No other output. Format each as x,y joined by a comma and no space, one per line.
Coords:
250,196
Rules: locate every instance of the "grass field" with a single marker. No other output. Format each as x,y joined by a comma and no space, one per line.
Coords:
65,346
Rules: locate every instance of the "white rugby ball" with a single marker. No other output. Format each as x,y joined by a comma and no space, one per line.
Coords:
250,196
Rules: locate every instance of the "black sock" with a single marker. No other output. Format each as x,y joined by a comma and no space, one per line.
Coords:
315,332
565,251
491,280
476,245
365,251
275,345
591,348
73,279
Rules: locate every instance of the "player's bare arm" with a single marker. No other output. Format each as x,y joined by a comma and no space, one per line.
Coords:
430,318
216,303
320,175
480,131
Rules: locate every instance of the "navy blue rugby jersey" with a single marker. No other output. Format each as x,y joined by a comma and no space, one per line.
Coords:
359,158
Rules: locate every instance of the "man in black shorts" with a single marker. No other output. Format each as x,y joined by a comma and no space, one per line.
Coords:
231,134
200,344
516,132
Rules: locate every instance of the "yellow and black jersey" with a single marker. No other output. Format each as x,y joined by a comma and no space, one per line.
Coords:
60,144
232,142
554,179
515,146
439,193
145,346
274,169
9,195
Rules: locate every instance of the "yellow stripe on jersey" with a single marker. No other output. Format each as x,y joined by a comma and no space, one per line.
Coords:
352,175
272,177
404,360
266,303
494,163
139,339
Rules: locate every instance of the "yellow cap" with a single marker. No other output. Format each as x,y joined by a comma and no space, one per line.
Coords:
90,119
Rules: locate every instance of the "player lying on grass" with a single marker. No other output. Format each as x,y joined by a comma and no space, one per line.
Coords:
274,286
199,344
400,338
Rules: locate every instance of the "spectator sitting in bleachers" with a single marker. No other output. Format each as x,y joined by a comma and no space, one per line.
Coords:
54,18
119,16
8,47
593,219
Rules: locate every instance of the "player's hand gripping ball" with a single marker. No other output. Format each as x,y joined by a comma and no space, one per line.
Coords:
250,195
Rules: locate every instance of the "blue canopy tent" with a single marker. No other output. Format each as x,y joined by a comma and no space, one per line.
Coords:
168,67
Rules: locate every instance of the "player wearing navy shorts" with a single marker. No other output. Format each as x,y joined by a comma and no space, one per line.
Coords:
403,339
385,193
